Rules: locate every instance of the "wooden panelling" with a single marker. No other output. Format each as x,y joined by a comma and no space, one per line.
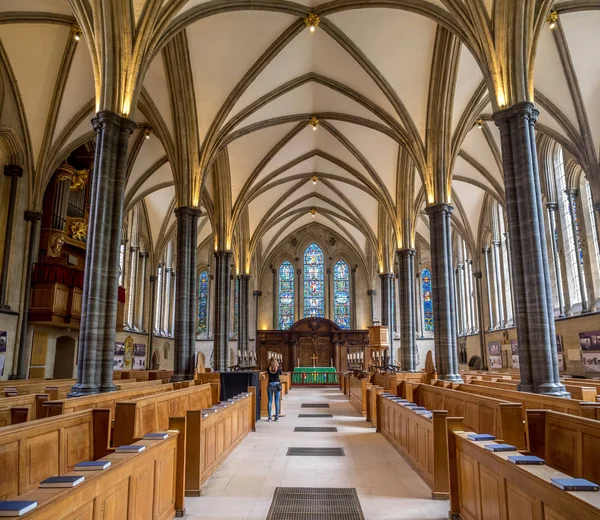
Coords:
32,403
357,392
33,451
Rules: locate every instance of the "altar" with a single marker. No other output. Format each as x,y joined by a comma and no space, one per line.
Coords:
310,343
315,376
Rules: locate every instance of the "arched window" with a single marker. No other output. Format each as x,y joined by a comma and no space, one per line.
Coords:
203,302
314,282
588,193
427,300
286,295
341,294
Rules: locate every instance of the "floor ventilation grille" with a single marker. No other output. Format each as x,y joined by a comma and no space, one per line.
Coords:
316,429
315,405
314,415
315,452
315,504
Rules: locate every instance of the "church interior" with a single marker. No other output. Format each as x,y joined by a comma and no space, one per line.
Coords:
397,201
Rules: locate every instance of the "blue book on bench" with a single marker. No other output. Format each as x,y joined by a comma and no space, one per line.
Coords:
574,484
16,507
525,460
155,436
418,408
410,405
130,449
480,437
63,481
93,465
500,447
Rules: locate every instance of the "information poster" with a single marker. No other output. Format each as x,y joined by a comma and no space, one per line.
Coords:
494,355
139,356
3,340
514,353
590,350
119,357
128,357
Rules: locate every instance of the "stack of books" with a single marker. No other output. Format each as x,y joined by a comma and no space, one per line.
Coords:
16,507
64,481
93,465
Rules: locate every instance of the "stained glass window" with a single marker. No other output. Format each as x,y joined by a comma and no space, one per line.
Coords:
341,294
286,295
588,192
427,300
203,302
314,282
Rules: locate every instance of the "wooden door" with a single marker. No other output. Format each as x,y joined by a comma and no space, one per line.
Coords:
323,352
306,351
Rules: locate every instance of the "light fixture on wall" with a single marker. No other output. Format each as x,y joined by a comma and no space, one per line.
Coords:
76,33
314,122
313,212
479,123
312,21
147,133
314,178
552,19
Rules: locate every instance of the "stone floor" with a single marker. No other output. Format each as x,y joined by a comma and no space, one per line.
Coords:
243,486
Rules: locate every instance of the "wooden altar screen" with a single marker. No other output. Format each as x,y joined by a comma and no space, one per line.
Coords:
317,342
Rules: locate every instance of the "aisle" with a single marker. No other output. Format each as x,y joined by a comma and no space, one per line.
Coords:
243,487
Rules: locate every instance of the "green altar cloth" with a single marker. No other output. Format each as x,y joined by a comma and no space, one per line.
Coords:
315,376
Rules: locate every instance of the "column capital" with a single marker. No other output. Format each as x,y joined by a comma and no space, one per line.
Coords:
144,254
226,254
13,170
521,109
572,192
299,272
153,278
496,243
478,275
406,252
353,270
168,269
173,272
461,267
328,271
133,249
386,275
187,210
470,261
257,293
243,276
371,292
442,207
485,250
32,216
551,206
106,118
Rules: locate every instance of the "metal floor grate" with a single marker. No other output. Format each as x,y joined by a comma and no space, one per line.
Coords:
315,405
314,415
315,452
316,429
315,504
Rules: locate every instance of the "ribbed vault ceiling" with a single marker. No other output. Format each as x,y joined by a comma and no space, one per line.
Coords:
257,77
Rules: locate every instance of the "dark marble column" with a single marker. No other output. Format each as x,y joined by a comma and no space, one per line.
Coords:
101,279
371,293
572,194
186,298
534,314
442,285
275,299
153,278
596,206
353,298
299,294
141,303
243,306
478,290
166,314
14,172
486,254
330,304
552,208
407,304
33,217
222,310
257,295
132,296
509,304
387,279
469,295
499,284
421,313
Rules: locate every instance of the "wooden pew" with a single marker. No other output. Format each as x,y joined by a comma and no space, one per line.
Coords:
485,485
212,436
579,393
372,408
31,404
135,486
107,400
567,443
482,414
357,392
286,382
535,401
33,451
136,417
28,382
421,441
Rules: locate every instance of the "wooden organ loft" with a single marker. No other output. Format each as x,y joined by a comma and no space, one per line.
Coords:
57,278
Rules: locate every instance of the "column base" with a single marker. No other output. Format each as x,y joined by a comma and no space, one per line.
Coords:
176,378
552,389
79,390
453,378
111,387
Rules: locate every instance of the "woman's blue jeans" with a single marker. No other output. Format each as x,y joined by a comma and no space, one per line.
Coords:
272,391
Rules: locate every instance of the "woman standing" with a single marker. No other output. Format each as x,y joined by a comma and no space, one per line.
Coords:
274,387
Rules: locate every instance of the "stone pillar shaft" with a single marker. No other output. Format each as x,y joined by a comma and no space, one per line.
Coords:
257,295
407,304
387,279
442,282
166,316
552,207
498,284
534,314
371,293
243,308
420,313
222,310
329,305
353,298
186,298
132,296
101,279
34,218
477,275
153,279
14,172
573,194
486,254
142,292
458,306
275,300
